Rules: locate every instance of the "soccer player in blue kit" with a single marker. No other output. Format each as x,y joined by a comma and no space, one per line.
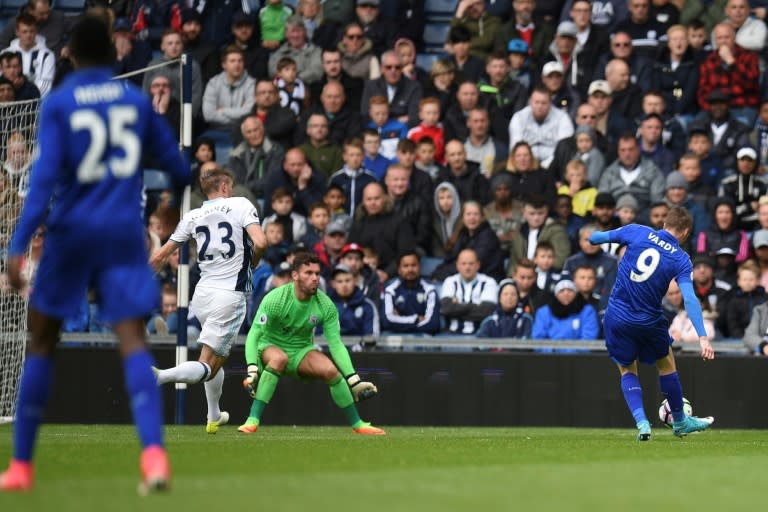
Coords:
93,134
635,328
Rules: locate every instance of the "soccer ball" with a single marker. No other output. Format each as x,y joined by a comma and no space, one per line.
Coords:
665,413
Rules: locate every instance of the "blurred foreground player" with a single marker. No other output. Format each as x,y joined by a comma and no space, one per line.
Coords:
230,243
281,342
635,328
92,138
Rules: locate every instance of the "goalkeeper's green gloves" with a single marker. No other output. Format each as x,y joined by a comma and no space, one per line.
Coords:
252,380
361,390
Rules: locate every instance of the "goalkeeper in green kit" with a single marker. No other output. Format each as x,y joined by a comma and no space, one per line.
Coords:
281,342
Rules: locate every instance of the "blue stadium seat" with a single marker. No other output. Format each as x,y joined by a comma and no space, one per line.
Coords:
435,35
440,9
69,7
10,8
425,60
155,179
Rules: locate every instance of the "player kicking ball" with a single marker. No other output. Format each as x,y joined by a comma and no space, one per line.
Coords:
225,257
635,328
281,342
93,135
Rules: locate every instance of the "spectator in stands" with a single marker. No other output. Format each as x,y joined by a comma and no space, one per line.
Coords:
658,214
447,218
357,57
256,56
520,64
540,125
202,50
593,160
500,95
322,154
7,91
374,161
293,92
566,317
273,17
468,67
750,31
609,122
606,14
358,316
745,188
605,265
681,328
471,15
304,53
564,97
626,209
334,198
504,213
592,38
165,321
586,115
627,97
755,337
377,226
391,130
733,71
425,158
364,277
419,181
725,131
334,72
700,145
538,227
760,245
430,126
131,53
407,51
510,319
708,288
441,84
410,304
468,296
643,28
544,258
475,233
724,232
38,62
152,19
305,184
742,300
698,191
255,159
318,219
228,96
455,121
677,195
321,31
10,65
379,29
279,122
531,296
481,148
632,174
163,102
650,142
343,118
575,68
410,206
563,213
353,177
53,25
527,177
329,249
640,68
10,205
676,74
402,94
672,133
537,34
463,175
172,47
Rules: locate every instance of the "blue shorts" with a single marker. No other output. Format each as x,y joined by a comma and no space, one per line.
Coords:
125,289
627,342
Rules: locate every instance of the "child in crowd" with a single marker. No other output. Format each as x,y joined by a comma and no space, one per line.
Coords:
374,161
425,157
701,193
429,114
681,328
272,18
585,281
353,177
165,321
700,144
446,218
587,152
544,258
294,224
335,199
371,257
626,209
509,320
276,244
318,219
364,277
291,89
742,300
358,316
563,214
390,130
519,65
578,187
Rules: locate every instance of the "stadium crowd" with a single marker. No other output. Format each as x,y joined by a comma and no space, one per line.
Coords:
457,199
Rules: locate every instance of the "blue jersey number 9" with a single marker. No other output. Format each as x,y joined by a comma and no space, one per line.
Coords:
115,133
647,263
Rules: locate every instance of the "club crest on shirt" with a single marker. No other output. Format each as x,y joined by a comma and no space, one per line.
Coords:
313,319
262,319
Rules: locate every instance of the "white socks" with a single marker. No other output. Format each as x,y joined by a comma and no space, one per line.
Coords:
213,389
190,372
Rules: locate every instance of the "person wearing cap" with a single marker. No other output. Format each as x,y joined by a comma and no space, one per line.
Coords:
540,125
329,248
632,174
634,322
300,49
760,245
510,319
381,30
567,316
471,14
241,30
358,315
677,195
644,28
204,51
651,146
538,34
734,71
726,135
364,277
745,188
467,296
608,121
576,66
519,62
500,94
468,66
410,304
564,96
131,54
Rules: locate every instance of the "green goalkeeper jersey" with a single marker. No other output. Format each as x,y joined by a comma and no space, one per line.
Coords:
286,322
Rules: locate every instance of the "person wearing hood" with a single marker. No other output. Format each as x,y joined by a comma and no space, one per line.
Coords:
724,233
509,320
446,218
504,213
577,68
566,317
358,315
677,195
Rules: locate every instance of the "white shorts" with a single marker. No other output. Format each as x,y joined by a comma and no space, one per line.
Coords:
221,313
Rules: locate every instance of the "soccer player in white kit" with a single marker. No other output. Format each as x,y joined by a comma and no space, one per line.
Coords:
230,243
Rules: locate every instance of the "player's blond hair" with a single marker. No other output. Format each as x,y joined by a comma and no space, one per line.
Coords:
212,179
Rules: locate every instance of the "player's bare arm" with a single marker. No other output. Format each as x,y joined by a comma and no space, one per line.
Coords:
158,259
256,234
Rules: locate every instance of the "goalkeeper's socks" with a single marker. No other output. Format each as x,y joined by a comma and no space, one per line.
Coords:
673,392
34,391
340,392
146,401
190,372
257,408
213,389
267,385
352,416
633,395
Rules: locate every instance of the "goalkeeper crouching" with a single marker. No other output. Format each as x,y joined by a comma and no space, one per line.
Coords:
280,342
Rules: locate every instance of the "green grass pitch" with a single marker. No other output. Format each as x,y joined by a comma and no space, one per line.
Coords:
95,467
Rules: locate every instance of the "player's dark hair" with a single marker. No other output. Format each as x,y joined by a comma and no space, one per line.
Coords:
211,180
305,258
90,43
678,219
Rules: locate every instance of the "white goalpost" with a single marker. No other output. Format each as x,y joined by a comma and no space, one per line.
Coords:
18,125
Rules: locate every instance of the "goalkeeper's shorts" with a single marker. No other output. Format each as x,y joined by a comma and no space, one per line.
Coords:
295,357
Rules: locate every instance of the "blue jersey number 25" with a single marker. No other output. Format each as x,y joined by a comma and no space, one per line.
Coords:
113,133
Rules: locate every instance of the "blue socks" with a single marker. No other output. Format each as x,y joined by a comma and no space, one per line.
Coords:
673,392
633,395
146,401
34,391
